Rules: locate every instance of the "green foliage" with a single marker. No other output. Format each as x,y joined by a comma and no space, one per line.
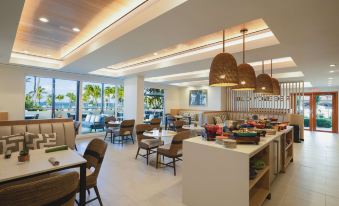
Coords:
109,94
60,97
321,122
49,100
72,98
91,93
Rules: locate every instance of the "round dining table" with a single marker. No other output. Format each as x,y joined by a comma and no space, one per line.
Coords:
157,134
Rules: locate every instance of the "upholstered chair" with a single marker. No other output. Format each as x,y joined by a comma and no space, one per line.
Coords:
125,132
155,123
108,127
144,142
55,190
94,154
173,150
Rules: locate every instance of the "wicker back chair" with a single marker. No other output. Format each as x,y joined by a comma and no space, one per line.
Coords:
94,154
144,142
140,129
173,150
178,125
56,190
169,123
109,128
125,132
155,123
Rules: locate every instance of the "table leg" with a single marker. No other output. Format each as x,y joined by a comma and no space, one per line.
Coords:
166,123
189,121
82,185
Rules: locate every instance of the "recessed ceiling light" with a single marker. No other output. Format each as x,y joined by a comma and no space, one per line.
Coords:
332,65
43,19
76,29
48,55
331,71
155,53
330,78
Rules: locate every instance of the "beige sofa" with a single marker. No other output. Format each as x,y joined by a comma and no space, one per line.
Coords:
64,129
208,117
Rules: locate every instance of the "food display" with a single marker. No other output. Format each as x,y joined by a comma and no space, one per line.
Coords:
230,143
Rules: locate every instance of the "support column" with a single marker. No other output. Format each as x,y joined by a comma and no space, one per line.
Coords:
134,98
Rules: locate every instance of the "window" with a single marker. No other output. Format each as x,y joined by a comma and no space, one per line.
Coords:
109,99
65,98
120,103
38,98
91,97
153,103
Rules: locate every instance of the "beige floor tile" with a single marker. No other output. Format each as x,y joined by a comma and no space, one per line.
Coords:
310,180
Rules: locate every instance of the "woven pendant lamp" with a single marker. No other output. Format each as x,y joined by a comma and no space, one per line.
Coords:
224,71
275,83
246,72
263,83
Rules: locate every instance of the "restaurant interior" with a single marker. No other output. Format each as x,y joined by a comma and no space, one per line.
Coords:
169,102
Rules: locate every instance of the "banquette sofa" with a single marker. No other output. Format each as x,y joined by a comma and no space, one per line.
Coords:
63,129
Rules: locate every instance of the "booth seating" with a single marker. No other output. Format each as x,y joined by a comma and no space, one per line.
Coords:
63,128
94,121
212,117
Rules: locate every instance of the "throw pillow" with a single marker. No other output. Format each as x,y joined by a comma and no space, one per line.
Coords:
217,120
39,141
12,142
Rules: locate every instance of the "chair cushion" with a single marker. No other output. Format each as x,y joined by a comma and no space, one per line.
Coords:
165,150
88,118
39,141
217,120
92,120
12,142
97,118
150,143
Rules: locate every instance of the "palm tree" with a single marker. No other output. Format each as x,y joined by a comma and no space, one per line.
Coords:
96,94
60,97
49,100
72,98
109,93
40,91
121,93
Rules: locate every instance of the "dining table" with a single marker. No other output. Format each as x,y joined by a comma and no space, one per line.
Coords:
114,123
12,170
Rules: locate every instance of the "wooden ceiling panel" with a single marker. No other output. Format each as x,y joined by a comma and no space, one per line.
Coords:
56,39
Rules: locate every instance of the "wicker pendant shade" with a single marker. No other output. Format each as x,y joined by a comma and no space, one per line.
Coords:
275,83
246,72
224,71
263,83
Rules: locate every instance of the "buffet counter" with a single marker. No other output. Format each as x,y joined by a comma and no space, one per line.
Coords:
215,175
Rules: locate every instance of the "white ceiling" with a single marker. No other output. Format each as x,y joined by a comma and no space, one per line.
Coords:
306,30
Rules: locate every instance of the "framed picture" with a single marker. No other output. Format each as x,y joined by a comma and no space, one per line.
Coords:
198,97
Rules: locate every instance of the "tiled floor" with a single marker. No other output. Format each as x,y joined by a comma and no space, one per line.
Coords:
312,179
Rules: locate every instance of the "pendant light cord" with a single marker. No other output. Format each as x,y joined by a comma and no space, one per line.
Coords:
243,46
271,69
263,66
223,41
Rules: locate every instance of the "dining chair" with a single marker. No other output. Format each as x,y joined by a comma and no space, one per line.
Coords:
144,142
170,122
173,150
55,190
125,132
94,154
155,123
178,125
109,128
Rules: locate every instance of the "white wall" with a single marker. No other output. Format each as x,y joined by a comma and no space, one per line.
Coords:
12,93
134,99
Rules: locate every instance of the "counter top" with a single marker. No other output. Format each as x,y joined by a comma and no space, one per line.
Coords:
247,149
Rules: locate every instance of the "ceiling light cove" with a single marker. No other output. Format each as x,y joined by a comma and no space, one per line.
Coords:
43,62
191,83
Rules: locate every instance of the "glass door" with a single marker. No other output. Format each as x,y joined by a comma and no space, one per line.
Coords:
321,111
324,112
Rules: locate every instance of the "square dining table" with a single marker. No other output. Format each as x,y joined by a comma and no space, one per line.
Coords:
11,170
